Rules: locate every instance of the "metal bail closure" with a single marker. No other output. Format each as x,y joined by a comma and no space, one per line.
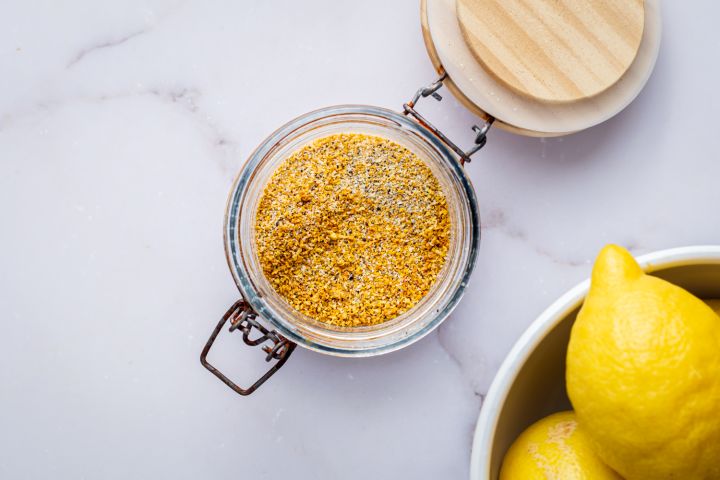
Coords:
242,318
431,91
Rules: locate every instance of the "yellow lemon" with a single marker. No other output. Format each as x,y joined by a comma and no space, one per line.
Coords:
643,374
554,448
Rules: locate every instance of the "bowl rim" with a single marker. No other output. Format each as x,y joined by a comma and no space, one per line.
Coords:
540,327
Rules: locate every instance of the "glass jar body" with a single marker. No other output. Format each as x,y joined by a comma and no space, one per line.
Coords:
356,341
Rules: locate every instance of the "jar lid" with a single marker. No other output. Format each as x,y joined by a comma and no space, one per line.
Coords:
543,68
553,51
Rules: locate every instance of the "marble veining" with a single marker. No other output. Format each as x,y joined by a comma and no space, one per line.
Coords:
107,44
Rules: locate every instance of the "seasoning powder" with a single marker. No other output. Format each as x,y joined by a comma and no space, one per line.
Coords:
352,230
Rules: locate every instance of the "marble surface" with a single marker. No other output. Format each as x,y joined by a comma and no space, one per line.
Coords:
122,125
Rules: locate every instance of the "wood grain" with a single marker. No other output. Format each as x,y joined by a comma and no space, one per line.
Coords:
555,51
457,93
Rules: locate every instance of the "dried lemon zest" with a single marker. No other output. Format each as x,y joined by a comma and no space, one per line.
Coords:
352,230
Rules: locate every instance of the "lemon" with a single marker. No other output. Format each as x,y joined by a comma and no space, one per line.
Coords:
554,448
643,374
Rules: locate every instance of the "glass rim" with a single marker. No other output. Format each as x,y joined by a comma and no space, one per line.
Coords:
233,248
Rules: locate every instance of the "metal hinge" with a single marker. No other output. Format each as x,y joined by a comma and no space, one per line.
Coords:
431,91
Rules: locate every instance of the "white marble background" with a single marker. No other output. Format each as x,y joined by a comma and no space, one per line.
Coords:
121,127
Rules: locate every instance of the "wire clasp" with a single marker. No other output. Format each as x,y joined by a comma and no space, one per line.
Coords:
431,91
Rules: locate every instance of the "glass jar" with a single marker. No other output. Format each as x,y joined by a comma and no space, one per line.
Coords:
279,326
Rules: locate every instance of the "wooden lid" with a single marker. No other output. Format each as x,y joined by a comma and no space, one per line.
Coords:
556,51
485,95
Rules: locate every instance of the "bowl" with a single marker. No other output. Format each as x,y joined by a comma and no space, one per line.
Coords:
530,384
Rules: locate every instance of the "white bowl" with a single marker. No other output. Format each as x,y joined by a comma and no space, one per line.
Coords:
530,384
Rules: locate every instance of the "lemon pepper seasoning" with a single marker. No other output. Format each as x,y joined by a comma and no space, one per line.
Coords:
352,230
